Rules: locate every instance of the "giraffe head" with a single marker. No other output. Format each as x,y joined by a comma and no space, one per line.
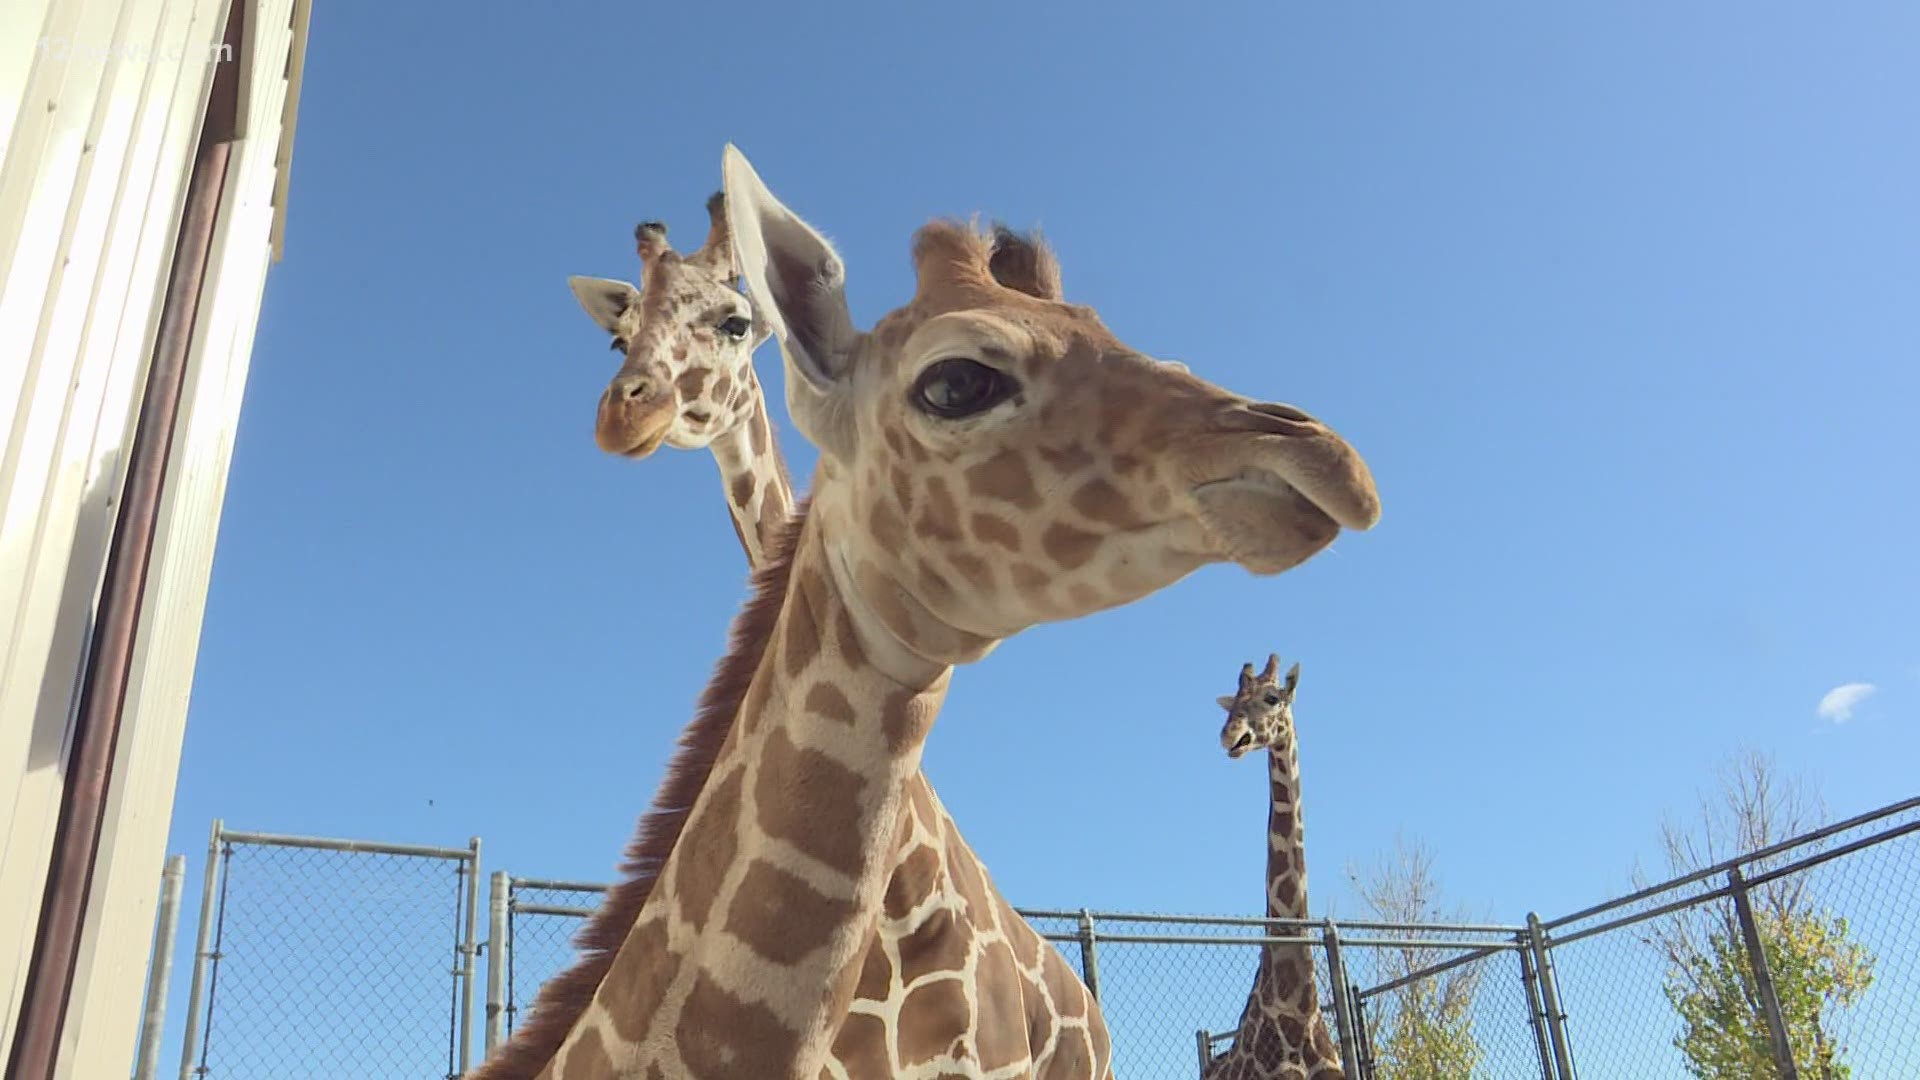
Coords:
993,457
686,338
1260,714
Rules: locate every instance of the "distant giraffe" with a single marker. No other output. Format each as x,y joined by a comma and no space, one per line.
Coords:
686,380
1282,1034
991,459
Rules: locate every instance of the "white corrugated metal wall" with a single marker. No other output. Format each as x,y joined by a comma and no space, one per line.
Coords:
100,110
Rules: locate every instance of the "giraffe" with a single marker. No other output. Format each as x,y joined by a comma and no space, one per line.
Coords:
1282,1033
755,485
989,460
686,379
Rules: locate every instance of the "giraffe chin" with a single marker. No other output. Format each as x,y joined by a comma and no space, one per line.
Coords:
1262,523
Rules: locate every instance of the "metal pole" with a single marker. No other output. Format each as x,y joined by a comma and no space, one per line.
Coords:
469,950
1205,1039
1763,979
1535,1012
1342,1005
189,1043
496,962
1089,957
160,969
1550,998
1362,1069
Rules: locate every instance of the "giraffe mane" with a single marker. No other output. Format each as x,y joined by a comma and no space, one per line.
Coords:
563,999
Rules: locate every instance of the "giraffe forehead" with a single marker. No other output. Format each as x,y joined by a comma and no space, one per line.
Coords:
1016,329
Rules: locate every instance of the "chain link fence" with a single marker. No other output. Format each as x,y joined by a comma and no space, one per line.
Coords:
340,958
326,958
1801,960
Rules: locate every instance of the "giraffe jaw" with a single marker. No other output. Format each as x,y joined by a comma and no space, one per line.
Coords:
1262,522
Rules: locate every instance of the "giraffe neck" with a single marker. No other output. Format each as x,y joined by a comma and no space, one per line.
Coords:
754,478
1286,842
745,959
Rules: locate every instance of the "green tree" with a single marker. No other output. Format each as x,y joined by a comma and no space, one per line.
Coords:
1817,968
1423,1030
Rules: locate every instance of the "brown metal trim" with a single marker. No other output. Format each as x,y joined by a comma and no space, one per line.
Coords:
96,728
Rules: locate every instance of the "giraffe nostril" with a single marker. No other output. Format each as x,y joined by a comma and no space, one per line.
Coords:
632,387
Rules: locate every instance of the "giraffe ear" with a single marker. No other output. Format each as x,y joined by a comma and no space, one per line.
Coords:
1225,700
1293,676
604,299
798,287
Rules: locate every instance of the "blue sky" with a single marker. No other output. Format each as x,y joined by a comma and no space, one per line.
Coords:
1618,300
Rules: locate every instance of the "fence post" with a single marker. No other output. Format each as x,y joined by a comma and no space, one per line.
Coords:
189,1043
1089,957
469,949
1342,1004
1362,1069
1205,1039
1762,978
1550,997
160,969
496,962
1535,1011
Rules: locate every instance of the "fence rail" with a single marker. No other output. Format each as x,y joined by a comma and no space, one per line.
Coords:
331,957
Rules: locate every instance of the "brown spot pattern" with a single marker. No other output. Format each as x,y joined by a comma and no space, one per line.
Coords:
827,702
1068,546
977,571
941,519
638,980
888,530
861,1044
1028,577
932,1016
1001,1025
902,487
780,916
720,1035
589,1056
847,639
1005,477
1099,501
1066,460
913,881
876,975
938,944
989,529
818,800
801,644
708,848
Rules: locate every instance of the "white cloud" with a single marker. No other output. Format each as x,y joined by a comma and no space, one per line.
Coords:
1838,704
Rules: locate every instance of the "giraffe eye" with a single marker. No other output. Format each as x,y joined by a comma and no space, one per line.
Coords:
957,387
736,327
1273,699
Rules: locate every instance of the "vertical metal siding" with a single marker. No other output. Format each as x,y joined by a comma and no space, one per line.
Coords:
60,465
93,156
101,1031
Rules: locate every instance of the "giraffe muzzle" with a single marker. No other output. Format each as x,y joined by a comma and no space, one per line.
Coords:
635,415
1275,486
